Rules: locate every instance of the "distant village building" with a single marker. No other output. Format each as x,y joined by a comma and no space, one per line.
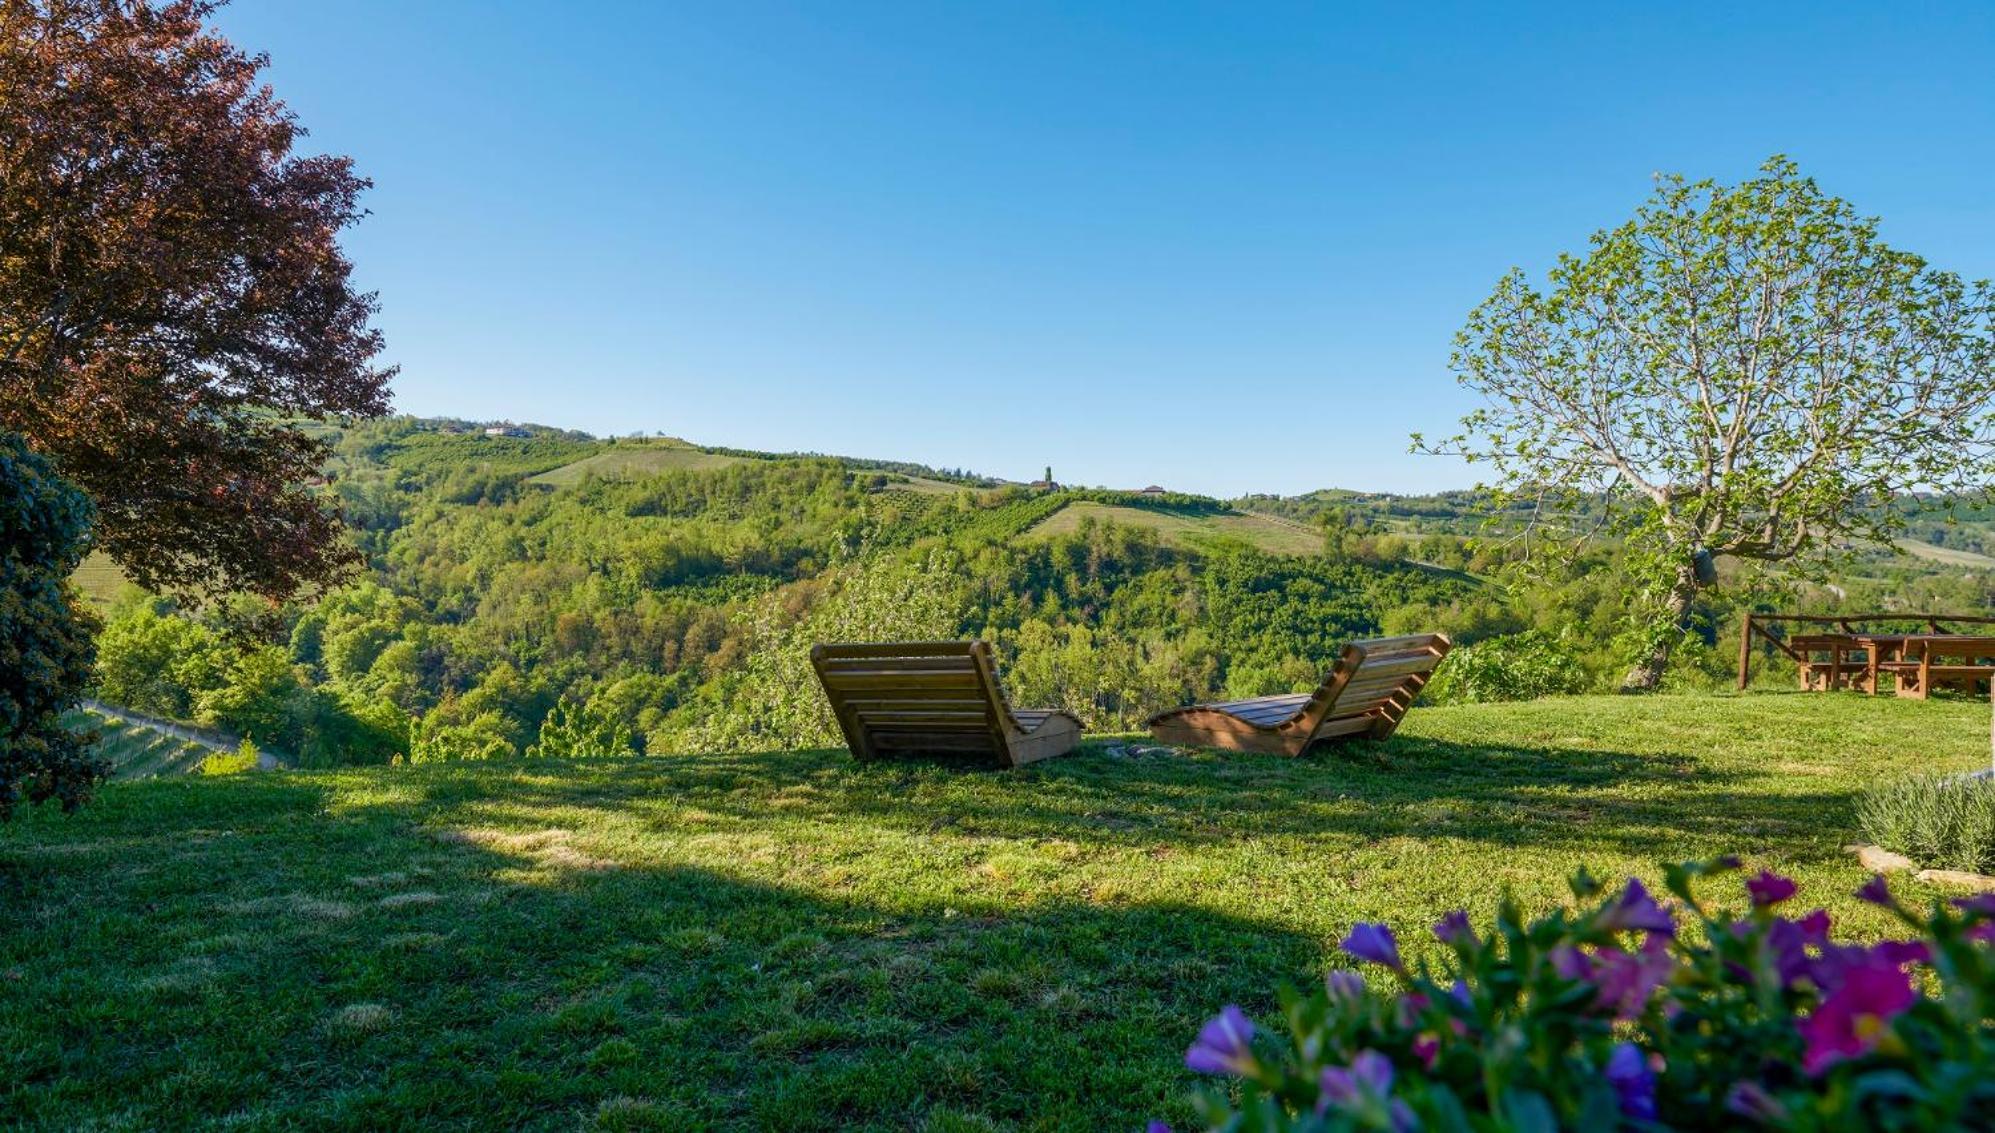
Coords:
506,431
1153,490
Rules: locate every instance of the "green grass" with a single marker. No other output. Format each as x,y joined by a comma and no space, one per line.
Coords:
797,941
100,580
1951,556
1278,536
629,461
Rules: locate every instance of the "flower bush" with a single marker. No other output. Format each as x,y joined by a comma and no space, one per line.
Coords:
1632,1015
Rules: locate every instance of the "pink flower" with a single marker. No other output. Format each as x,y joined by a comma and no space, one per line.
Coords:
1856,1015
1770,889
1223,1045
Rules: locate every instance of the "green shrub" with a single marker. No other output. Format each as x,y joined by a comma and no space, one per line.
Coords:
1519,666
243,758
1939,821
45,646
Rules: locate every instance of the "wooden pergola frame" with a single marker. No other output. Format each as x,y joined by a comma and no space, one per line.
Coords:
1755,623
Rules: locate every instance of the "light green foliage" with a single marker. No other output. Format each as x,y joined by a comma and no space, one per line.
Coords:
1521,666
1738,373
259,695
572,730
794,940
1939,821
243,758
773,699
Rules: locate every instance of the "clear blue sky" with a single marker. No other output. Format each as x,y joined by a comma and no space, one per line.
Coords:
1219,247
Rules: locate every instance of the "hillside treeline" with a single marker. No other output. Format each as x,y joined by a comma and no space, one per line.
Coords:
674,611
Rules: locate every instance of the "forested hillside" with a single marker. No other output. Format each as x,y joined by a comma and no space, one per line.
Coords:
551,593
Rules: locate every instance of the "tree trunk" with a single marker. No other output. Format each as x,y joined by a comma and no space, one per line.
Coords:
1647,674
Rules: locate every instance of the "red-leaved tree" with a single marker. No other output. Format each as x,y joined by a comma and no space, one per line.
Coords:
172,290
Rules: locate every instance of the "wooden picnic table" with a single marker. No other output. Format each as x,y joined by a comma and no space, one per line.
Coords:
1918,660
1833,651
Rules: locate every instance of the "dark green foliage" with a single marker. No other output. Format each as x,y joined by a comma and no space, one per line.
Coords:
1939,821
45,649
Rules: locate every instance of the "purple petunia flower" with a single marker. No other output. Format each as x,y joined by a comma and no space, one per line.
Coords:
1636,911
1899,953
1981,904
1627,980
1369,1071
1750,1099
1571,964
1156,1127
1345,986
1633,1081
1427,1048
1850,1021
1455,929
1770,889
1786,943
1877,891
1373,942
1223,1046
1815,926
1366,1085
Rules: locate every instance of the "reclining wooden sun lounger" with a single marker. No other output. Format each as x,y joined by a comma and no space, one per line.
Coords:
1367,694
934,697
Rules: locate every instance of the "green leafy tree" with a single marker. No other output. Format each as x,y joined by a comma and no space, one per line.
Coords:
574,729
1743,373
45,649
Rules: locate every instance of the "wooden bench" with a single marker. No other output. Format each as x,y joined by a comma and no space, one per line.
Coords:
1929,662
1367,694
1847,664
934,698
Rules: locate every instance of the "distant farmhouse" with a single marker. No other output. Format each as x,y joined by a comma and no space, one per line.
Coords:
506,431
1153,490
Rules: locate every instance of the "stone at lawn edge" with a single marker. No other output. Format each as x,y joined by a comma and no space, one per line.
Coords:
1877,859
1977,881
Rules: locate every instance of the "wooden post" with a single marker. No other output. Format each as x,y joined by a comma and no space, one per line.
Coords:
1745,651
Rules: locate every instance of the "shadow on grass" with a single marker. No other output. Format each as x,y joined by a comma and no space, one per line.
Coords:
266,951
1508,796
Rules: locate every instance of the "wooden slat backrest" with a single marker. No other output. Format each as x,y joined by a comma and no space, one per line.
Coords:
934,695
1374,681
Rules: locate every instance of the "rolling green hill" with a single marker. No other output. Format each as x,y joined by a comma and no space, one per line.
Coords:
797,941
634,460
1265,532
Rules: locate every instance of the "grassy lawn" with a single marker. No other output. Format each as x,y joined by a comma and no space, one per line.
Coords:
795,941
1277,536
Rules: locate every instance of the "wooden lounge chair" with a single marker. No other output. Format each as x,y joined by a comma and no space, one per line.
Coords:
934,698
1367,694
